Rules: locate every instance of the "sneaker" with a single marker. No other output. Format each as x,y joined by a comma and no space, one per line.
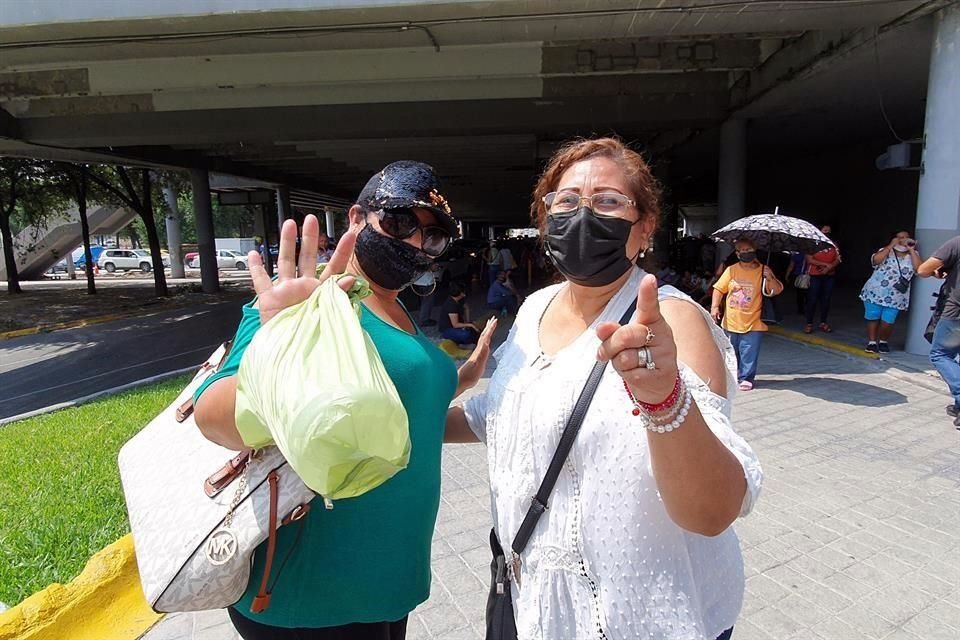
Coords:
872,348
953,410
883,347
746,385
956,422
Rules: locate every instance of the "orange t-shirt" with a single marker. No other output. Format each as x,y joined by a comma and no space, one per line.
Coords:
744,303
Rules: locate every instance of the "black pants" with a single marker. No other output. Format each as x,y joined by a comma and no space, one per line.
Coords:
250,630
726,635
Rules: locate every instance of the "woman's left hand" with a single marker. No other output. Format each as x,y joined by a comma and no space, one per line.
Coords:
470,372
650,333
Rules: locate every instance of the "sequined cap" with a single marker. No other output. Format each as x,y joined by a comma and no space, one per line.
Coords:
408,184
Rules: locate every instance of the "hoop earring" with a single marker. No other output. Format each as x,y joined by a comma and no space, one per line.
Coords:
413,288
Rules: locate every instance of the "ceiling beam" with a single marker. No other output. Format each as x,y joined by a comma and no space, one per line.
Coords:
811,54
559,117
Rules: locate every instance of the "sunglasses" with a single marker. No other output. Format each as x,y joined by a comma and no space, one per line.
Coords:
403,223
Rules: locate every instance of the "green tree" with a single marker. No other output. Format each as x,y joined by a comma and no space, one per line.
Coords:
116,185
30,192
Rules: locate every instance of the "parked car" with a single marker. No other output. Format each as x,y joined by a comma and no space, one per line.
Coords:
126,260
60,267
226,259
80,258
164,256
188,258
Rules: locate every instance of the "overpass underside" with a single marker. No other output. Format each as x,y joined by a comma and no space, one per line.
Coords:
318,95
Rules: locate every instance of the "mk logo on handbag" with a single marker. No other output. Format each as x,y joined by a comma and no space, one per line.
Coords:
220,547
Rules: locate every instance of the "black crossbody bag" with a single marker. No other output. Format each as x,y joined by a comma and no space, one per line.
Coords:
501,623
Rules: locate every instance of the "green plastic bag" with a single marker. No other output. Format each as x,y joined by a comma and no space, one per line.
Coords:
311,382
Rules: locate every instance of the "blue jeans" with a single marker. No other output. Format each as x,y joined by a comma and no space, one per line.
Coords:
943,354
461,335
503,304
819,293
747,348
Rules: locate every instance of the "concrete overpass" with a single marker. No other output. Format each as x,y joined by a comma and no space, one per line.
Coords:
318,95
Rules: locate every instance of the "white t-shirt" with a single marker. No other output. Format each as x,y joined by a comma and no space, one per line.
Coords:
606,554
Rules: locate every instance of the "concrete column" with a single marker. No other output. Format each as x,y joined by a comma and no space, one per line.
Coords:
330,226
172,220
283,206
264,217
731,192
732,179
209,275
71,269
938,203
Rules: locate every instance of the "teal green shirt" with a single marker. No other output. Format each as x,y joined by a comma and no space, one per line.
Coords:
367,559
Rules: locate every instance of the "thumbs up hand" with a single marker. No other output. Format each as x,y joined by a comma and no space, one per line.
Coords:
643,351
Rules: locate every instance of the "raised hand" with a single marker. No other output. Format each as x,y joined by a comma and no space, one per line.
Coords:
291,287
472,370
632,346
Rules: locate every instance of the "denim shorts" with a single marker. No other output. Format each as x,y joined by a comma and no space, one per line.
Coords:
872,312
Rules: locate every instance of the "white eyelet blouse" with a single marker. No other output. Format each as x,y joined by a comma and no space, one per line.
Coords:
605,560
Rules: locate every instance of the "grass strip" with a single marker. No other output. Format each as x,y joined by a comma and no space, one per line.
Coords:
60,495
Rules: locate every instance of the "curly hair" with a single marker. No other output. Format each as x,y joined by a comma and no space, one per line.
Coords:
646,191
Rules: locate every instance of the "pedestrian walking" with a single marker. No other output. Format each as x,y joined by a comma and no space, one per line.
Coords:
887,291
637,541
342,578
739,292
798,277
945,347
822,267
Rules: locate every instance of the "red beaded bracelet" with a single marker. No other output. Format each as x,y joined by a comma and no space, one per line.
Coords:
667,403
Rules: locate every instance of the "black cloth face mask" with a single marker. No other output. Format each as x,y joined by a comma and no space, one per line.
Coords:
390,263
747,256
588,250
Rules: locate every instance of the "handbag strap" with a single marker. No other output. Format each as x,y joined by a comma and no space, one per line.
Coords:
539,502
897,258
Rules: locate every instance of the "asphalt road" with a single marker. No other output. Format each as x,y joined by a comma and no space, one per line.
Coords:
42,370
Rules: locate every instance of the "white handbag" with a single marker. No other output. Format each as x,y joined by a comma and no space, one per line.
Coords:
197,510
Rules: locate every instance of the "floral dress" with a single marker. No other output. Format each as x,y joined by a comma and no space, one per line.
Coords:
879,288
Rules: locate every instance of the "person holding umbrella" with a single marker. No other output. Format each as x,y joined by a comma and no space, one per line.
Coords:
744,284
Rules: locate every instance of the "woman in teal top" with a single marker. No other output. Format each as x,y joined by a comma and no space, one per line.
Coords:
358,570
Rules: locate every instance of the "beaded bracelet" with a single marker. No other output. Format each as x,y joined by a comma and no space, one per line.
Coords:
677,405
676,422
671,413
668,403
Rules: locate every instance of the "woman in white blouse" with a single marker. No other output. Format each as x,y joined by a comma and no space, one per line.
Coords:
637,540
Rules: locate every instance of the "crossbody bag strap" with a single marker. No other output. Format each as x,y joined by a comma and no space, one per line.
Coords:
539,502
897,258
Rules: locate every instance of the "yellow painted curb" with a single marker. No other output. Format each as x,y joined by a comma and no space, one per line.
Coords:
834,345
19,332
76,324
105,602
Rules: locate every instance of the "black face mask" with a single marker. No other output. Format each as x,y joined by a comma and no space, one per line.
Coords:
388,262
747,256
588,250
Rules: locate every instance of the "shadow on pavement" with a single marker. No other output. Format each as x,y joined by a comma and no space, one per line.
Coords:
849,391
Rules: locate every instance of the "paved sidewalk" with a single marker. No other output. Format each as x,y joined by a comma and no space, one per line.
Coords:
855,536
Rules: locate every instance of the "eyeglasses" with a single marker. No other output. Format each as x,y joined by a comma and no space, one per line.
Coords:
609,204
403,223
